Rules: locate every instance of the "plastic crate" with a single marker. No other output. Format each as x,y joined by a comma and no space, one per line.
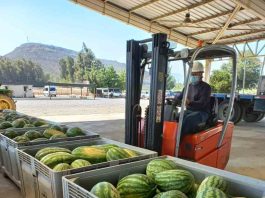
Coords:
79,185
9,154
38,180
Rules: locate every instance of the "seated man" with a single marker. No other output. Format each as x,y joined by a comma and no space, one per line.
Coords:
198,101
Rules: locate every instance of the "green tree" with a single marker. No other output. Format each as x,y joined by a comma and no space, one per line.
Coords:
221,80
171,81
122,80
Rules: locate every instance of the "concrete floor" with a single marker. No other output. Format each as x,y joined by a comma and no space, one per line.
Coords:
100,116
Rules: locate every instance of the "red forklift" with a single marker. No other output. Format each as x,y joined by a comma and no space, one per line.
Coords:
160,130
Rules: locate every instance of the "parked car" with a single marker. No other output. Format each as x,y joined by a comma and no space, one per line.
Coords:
49,91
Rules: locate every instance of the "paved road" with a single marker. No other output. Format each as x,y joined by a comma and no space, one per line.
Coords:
106,117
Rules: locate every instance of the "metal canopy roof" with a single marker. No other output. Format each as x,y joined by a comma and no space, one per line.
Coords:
213,21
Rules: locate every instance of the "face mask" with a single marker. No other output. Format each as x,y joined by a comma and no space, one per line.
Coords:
194,79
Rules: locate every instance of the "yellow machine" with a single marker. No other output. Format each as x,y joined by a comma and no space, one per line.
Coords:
6,101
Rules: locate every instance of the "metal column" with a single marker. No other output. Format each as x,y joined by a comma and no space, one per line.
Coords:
133,69
153,138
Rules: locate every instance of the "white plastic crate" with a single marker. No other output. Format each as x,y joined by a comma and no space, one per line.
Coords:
79,185
38,180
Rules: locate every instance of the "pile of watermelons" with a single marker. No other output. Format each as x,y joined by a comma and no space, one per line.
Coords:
53,132
14,120
163,179
60,159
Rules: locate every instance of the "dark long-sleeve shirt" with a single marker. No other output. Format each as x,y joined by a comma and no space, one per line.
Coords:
199,96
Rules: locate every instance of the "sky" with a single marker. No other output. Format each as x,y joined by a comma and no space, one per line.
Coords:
65,24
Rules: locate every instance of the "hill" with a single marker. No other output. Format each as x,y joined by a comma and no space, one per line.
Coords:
48,56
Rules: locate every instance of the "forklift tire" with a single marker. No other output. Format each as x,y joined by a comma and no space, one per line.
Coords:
7,102
260,117
252,116
236,114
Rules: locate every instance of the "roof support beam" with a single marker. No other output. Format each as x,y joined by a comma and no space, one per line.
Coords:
253,32
231,17
143,5
257,7
123,15
244,40
210,17
182,9
230,26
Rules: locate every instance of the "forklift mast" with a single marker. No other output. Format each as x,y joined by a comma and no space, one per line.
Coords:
137,54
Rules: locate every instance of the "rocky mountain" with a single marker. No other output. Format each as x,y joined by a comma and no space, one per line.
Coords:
48,56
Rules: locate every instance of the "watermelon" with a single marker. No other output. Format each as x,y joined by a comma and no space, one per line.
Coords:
62,167
28,126
136,185
45,151
5,125
131,152
105,190
74,131
90,153
39,139
48,133
58,136
193,191
211,192
55,158
106,147
31,134
181,180
18,123
214,181
39,123
56,127
80,163
171,194
21,139
116,153
11,133
158,165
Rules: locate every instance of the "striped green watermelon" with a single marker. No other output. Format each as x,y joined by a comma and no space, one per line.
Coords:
39,123
105,190
211,192
62,167
131,152
18,123
181,180
171,194
158,165
21,139
90,153
5,125
55,158
106,147
136,185
193,191
80,163
11,133
32,134
214,181
45,151
50,132
74,131
116,153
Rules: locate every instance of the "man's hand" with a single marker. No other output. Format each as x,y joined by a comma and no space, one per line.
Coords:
187,102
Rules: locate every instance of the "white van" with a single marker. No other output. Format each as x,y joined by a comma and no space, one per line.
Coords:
49,91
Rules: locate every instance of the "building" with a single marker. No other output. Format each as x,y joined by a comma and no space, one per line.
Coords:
20,91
